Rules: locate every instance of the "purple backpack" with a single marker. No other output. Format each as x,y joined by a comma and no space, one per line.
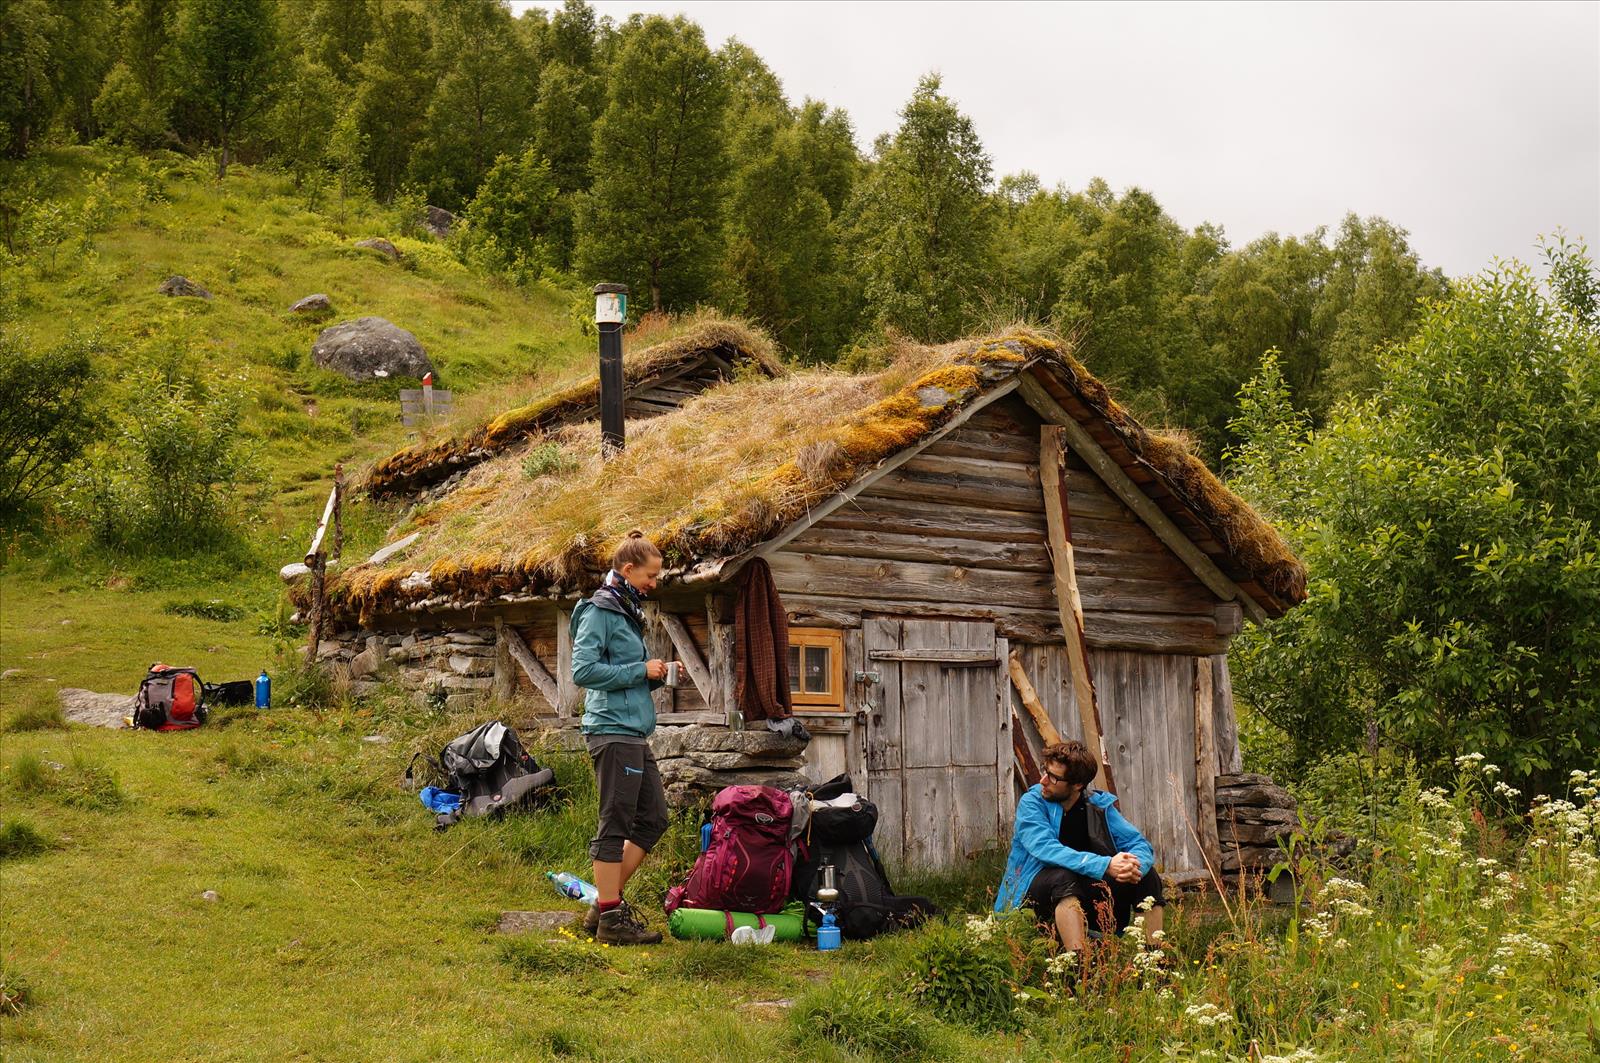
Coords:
750,861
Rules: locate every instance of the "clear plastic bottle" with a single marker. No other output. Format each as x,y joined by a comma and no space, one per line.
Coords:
570,885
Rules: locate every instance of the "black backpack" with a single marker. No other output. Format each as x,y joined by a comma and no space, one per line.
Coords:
491,771
867,905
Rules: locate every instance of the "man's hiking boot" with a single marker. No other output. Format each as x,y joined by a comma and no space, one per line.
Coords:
620,926
591,920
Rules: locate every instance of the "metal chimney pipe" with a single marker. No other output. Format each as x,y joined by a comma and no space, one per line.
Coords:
610,311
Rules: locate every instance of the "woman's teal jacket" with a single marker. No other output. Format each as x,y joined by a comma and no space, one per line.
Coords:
608,658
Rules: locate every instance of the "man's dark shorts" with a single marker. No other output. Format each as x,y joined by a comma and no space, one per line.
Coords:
1052,885
633,805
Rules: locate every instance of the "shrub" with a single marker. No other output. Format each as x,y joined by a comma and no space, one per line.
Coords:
15,993
48,418
211,609
964,980
547,458
860,1017
178,479
19,839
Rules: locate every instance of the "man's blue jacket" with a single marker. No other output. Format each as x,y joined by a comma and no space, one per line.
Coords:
1036,841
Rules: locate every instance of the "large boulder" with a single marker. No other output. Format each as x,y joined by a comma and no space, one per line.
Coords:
439,221
313,305
382,246
179,287
369,347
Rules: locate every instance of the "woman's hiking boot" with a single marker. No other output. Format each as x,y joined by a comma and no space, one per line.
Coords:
591,920
620,926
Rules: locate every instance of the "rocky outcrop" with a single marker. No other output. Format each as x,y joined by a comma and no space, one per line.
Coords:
438,221
458,665
313,305
370,347
96,710
382,246
696,762
182,287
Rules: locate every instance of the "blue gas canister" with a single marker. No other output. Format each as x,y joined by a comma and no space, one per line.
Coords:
263,690
827,933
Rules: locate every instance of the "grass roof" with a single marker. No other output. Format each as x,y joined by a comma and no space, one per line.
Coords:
727,470
565,399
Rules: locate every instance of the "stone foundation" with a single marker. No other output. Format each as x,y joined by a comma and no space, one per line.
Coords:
457,664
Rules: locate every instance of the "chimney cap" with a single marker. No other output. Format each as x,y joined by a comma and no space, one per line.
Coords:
610,289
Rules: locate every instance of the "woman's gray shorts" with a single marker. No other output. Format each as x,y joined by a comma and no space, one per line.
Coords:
633,805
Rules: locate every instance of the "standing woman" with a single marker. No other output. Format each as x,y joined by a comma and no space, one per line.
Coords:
609,660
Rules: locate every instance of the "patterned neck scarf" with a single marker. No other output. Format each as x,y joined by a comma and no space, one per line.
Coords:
625,594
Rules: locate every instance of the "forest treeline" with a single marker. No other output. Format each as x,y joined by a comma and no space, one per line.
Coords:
633,151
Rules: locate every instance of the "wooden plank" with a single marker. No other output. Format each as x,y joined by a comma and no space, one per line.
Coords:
569,695
726,568
871,512
797,571
941,487
901,546
679,719
688,653
949,657
1023,477
721,666
542,680
1030,700
505,680
322,525
883,774
658,645
1134,498
1005,797
1205,764
1057,517
1226,731
1021,753
855,661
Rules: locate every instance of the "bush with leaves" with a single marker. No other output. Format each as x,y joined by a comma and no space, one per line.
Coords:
46,419
509,227
179,476
1448,523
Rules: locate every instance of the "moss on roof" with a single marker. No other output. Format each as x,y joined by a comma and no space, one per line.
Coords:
736,464
430,461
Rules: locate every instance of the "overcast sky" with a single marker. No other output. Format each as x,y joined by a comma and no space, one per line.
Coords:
1474,126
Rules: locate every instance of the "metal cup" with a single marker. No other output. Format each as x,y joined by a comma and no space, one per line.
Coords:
674,670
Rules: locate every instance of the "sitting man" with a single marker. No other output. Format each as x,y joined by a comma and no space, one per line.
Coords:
1073,855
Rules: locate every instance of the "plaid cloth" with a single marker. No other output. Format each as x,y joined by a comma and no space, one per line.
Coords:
762,644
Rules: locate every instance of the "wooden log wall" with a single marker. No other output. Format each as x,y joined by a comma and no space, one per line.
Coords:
959,531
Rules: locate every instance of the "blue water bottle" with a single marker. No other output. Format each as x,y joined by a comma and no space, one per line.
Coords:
263,690
827,933
705,836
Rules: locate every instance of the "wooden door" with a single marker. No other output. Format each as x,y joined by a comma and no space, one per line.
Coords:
935,738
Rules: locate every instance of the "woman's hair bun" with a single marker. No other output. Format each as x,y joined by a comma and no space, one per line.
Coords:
636,534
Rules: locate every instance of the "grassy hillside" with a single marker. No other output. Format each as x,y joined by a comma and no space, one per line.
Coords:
119,225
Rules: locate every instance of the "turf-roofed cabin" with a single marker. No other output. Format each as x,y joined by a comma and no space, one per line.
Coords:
974,547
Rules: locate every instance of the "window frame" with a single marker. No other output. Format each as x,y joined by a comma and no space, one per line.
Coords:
831,639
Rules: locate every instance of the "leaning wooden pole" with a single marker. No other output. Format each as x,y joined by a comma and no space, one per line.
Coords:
317,562
1058,520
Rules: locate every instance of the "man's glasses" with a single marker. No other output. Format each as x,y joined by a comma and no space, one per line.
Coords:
1061,779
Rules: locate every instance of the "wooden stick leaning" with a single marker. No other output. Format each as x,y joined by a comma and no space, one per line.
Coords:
1052,480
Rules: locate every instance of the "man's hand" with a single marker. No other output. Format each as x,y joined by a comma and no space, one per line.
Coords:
655,669
1124,868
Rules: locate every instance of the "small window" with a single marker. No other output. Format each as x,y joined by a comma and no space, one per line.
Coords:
816,669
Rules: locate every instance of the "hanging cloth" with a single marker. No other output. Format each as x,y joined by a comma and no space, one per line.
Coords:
761,643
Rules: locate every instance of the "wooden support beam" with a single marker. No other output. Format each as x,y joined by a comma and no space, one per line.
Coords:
721,656
1205,764
569,700
1058,527
1083,444
1023,755
541,678
688,653
322,525
1030,700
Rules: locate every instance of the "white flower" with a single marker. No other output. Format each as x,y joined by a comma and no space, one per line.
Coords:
1469,759
1207,1014
1510,793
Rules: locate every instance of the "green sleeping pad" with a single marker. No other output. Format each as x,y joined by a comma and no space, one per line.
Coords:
706,924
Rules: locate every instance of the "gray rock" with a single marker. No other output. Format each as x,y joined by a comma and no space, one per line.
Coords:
438,221
382,246
364,663
752,742
472,665
179,287
96,710
368,347
210,895
362,688
734,762
523,922
313,304
455,702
